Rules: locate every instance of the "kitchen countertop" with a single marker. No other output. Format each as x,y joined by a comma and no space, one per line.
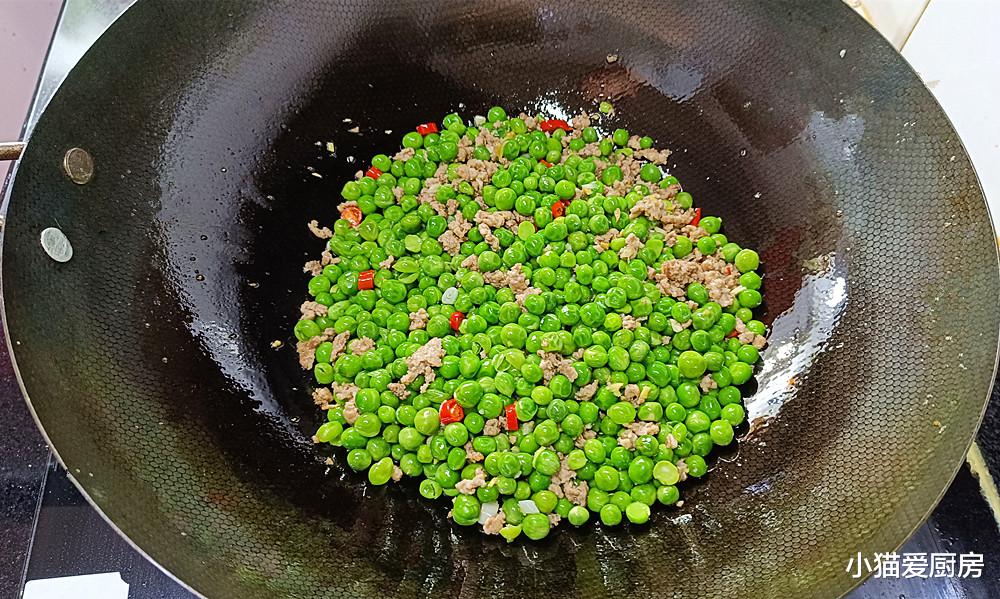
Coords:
47,529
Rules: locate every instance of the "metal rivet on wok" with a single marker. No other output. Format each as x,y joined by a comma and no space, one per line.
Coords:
56,245
78,165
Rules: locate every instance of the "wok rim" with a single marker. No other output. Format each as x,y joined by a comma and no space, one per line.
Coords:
5,201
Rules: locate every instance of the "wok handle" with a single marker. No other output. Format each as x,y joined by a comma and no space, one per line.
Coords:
11,150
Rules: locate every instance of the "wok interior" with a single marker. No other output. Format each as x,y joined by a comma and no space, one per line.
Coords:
148,357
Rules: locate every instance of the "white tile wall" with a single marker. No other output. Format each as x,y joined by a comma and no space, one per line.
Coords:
956,49
894,19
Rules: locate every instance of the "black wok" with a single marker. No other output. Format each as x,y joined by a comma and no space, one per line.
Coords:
147,357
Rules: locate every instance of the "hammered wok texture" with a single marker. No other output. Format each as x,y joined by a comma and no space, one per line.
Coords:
147,357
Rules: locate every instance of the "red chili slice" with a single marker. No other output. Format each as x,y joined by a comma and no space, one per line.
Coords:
366,280
373,172
427,128
456,319
352,214
546,163
511,413
553,124
451,412
697,217
558,209
732,334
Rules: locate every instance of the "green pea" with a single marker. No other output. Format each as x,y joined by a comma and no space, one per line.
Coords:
675,412
680,312
688,394
597,499
701,341
456,434
545,501
741,372
496,114
682,246
620,137
756,326
358,459
318,284
734,414
749,298
622,412
323,373
710,406
465,509
611,515
469,393
650,173
641,470
565,189
306,329
721,432
691,364
594,451
666,473
748,354
618,358
381,471
706,245
750,280
701,444
368,425
410,439
746,260
352,439
329,432
426,421
456,458
697,293
578,515
697,421
536,480
535,526
546,433
430,489
696,466
711,224
446,477
620,457
668,494
637,512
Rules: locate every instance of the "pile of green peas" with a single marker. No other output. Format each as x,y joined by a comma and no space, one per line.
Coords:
491,361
